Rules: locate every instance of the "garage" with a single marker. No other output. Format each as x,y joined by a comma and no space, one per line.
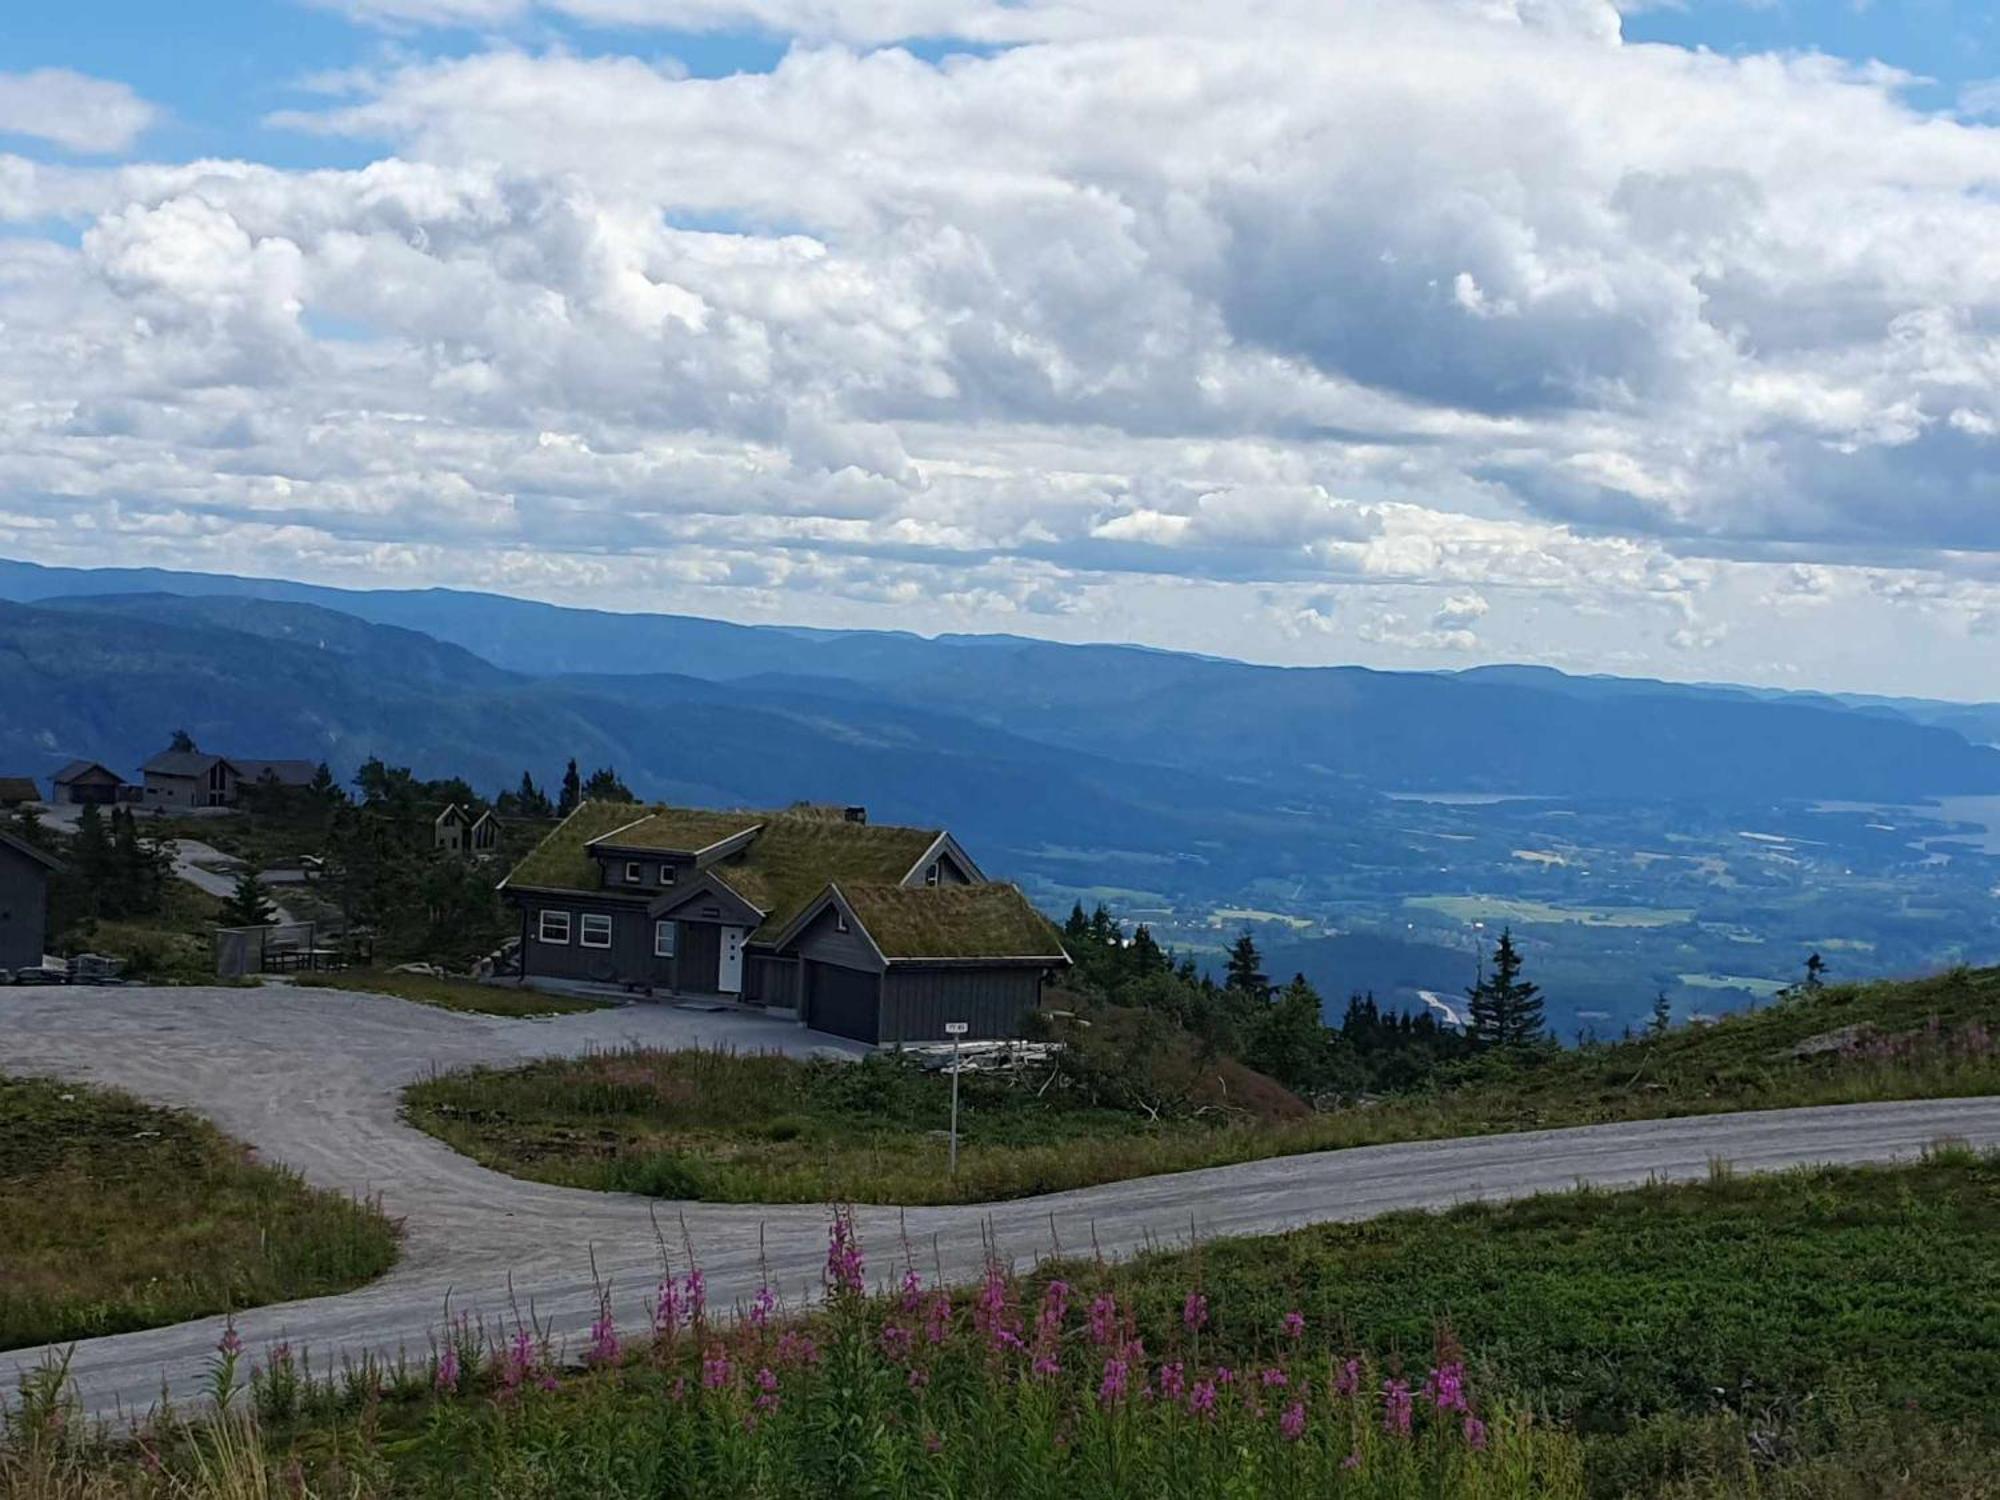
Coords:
846,1002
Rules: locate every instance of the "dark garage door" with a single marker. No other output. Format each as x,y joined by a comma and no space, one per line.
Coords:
845,1002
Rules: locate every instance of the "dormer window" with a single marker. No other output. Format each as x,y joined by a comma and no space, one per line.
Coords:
632,873
931,875
666,874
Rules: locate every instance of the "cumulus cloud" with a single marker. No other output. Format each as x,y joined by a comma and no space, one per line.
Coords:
1460,298
72,110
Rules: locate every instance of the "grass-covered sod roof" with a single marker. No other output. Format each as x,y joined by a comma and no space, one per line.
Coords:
963,921
680,830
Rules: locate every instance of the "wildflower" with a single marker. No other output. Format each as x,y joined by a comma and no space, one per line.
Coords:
761,1307
716,1369
844,1268
678,1391
933,1443
1055,1306
1475,1433
1194,1312
1103,1318
1275,1377
694,1291
1292,1425
1224,1375
1348,1381
1047,1366
1445,1387
797,1349
767,1390
1351,1462
1112,1387
1173,1380
895,1340
913,1290
446,1378
1396,1407
919,1378
603,1349
1201,1400
1294,1324
937,1318
230,1345
667,1309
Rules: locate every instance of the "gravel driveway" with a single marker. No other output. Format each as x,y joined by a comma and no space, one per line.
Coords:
311,1078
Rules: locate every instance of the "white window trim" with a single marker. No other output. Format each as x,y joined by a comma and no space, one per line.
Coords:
839,920
666,874
587,924
633,872
665,931
542,935
935,874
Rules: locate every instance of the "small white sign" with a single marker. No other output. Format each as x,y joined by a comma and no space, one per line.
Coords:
956,1028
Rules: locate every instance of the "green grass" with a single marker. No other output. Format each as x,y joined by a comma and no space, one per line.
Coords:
1527,912
174,945
763,1129
115,1215
453,994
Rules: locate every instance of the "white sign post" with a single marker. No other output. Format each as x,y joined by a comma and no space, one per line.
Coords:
954,1030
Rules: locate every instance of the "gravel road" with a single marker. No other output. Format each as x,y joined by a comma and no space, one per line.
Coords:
311,1079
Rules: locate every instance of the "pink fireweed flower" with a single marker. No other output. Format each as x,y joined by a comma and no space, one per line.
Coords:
1294,1324
1274,1377
1224,1375
845,1272
678,1391
603,1348
919,1378
937,1317
1055,1307
797,1349
1201,1400
1112,1387
913,1290
1194,1312
1046,1366
762,1306
1103,1318
716,1369
1351,1462
446,1378
1173,1380
694,1296
230,1345
1348,1381
767,1390
1292,1425
895,1340
1396,1406
1445,1387
1475,1434
667,1309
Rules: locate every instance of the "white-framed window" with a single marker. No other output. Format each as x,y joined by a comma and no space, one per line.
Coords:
931,875
595,931
664,934
631,872
666,874
555,926
839,920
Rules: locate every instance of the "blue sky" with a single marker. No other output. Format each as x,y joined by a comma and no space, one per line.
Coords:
1617,336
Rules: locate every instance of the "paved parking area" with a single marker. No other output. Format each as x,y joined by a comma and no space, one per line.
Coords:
311,1078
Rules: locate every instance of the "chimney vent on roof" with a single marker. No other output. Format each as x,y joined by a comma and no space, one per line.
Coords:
855,814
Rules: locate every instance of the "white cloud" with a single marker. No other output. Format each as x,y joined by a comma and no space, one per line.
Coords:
73,110
1351,310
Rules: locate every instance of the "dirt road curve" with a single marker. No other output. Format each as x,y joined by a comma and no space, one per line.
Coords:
311,1079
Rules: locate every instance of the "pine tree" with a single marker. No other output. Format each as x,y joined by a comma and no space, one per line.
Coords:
1245,973
603,786
1506,1010
91,862
1663,1015
1077,928
572,791
182,742
248,905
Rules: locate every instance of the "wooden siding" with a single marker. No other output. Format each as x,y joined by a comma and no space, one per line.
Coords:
844,1002
916,1002
824,942
629,960
24,909
700,961
771,980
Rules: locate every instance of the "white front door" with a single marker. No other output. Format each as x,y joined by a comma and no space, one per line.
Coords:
729,978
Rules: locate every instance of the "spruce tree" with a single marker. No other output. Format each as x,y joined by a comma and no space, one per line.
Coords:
1663,1014
248,905
1245,972
572,791
1506,1009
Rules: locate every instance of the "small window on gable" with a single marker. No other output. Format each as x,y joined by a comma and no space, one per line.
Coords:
555,926
931,875
839,920
631,872
663,939
595,931
666,874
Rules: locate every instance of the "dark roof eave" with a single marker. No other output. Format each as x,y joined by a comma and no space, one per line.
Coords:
630,898
999,960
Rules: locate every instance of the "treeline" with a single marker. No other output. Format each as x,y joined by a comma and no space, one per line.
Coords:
1281,1029
110,870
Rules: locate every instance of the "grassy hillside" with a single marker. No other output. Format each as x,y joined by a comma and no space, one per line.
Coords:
769,1129
116,1215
